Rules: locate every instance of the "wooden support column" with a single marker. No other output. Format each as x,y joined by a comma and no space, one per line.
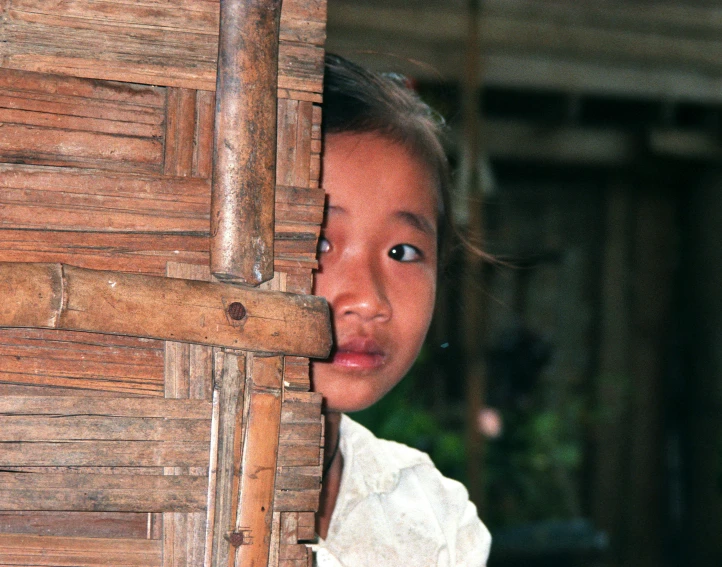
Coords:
474,310
655,257
244,155
614,381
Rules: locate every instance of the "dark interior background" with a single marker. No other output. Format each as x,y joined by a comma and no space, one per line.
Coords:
589,163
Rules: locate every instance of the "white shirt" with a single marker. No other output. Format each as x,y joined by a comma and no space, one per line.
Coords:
395,509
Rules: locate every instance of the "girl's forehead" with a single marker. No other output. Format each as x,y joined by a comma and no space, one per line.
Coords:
361,170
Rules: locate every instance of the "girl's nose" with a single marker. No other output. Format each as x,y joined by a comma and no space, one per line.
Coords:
362,293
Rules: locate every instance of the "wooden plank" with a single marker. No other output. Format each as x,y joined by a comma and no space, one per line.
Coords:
203,144
289,527
155,43
122,525
295,122
80,360
103,453
140,103
299,407
46,551
62,121
102,428
291,432
297,500
244,151
316,146
230,373
296,374
102,493
294,551
258,465
275,540
306,526
302,21
188,374
132,252
29,144
299,455
179,132
76,199
138,407
300,282
57,296
299,478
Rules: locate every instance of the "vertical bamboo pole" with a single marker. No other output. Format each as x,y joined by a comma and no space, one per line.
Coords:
230,377
474,311
258,464
244,153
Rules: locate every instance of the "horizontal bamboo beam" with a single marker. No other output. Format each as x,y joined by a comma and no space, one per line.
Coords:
244,150
57,296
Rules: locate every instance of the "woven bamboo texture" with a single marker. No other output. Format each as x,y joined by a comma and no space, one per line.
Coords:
143,421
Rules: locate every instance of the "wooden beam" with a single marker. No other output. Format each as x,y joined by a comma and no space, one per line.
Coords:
57,296
521,33
577,50
522,141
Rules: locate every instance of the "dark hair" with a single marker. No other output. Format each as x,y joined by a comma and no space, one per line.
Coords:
360,101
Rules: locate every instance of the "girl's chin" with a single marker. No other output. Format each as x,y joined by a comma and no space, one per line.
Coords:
345,393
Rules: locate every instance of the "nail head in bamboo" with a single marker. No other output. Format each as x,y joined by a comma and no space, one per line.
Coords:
244,156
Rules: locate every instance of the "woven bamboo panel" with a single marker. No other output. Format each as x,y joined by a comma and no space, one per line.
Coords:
113,447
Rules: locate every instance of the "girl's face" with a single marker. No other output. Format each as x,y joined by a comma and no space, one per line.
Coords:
377,269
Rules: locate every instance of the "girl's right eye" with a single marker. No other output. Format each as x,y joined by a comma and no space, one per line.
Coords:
323,245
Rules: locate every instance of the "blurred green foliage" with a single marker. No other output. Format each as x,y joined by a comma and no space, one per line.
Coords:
531,472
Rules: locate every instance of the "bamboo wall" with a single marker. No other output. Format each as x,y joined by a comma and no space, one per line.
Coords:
139,450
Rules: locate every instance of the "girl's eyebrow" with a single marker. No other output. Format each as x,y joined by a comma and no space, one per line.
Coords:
418,222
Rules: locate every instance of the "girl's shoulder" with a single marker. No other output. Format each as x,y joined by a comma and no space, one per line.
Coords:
365,444
382,463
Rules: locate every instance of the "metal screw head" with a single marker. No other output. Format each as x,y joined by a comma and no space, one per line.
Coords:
236,539
236,311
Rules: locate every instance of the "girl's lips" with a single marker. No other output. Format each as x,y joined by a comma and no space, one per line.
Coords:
358,353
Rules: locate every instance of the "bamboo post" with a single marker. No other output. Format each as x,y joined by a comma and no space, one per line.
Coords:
244,154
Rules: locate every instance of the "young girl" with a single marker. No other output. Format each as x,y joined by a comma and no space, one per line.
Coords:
386,175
